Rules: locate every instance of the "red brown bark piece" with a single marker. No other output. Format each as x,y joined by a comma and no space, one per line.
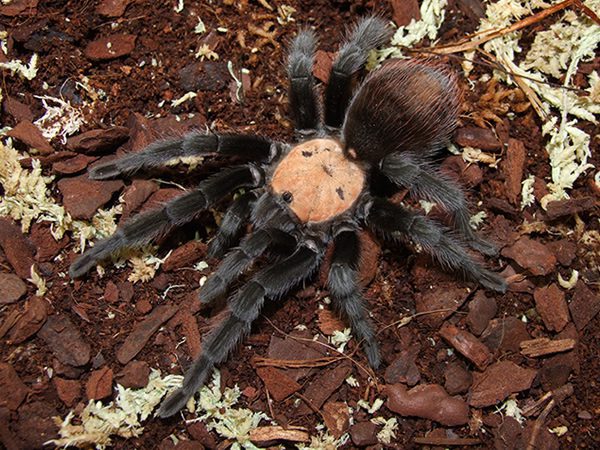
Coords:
18,7
403,368
323,63
112,8
457,379
369,256
13,389
99,385
12,288
204,76
584,305
564,250
29,321
30,135
363,434
82,197
18,250
531,255
481,310
142,332
329,322
291,349
110,47
571,206
551,305
69,391
134,375
136,194
65,341
428,401
498,382
98,141
189,326
19,111
468,175
321,388
72,166
445,298
279,385
505,334
513,167
404,11
45,245
467,345
185,255
480,138
336,417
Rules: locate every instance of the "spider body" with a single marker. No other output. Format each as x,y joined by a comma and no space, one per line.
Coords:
300,198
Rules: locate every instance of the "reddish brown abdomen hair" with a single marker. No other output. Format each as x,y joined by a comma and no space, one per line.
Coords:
405,105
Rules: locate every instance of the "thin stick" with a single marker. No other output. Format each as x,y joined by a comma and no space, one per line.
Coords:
475,40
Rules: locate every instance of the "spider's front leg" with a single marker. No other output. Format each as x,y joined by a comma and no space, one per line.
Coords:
271,282
425,182
366,35
400,223
249,147
345,292
145,227
304,106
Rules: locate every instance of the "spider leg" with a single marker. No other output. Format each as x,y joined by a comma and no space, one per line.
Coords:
145,227
366,35
254,148
346,295
427,183
398,222
239,259
302,96
232,224
245,306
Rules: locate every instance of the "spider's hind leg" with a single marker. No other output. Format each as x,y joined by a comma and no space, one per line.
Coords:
145,227
249,147
400,223
368,34
346,295
425,182
271,282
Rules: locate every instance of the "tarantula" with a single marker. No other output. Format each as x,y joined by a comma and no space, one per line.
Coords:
302,197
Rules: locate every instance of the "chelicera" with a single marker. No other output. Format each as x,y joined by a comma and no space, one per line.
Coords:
301,198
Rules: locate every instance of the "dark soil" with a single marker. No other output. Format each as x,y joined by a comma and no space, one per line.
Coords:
473,350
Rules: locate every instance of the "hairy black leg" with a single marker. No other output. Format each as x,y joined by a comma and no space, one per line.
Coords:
397,222
425,182
145,227
253,148
302,96
366,35
346,295
271,282
268,213
240,259
232,224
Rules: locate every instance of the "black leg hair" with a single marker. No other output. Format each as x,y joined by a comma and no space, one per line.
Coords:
252,148
424,181
145,227
271,282
232,224
366,35
304,108
346,295
241,258
399,223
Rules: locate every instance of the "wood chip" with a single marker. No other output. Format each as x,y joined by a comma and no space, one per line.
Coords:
262,436
544,346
